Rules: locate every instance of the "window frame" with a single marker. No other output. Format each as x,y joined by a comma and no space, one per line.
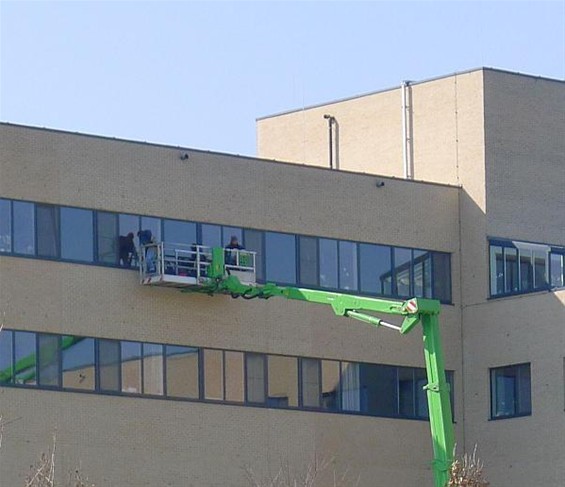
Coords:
516,392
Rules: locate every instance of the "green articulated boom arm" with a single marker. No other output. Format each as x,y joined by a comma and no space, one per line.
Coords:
414,311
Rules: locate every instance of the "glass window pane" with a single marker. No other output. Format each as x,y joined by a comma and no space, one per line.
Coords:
557,270
375,269
78,363
283,381
511,391
308,265
496,270
541,269
379,392
77,240
524,390
24,228
131,367
213,374
255,371
510,270
442,276
49,360
280,252
406,392
310,383
402,271
328,263
211,235
234,376
153,369
330,385
526,270
107,226
25,358
5,226
6,357
128,228
421,394
254,242
229,232
109,365
47,231
422,268
348,265
182,371
153,225
179,232
350,387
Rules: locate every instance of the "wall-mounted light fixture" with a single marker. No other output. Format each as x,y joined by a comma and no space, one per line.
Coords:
331,122
184,156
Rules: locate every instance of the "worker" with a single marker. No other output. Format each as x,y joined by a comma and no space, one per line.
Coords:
145,238
127,250
231,250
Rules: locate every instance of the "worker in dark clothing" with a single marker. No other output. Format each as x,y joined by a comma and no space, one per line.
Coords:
231,250
126,249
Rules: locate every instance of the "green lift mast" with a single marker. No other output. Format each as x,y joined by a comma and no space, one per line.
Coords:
219,278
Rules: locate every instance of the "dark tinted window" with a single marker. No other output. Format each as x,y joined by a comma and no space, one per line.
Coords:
254,242
78,363
557,270
182,371
308,266
128,224
255,377
229,232
280,251
402,271
328,263
511,391
153,225
109,365
379,394
442,276
24,228
107,226
77,242
211,235
5,226
496,270
348,266
47,231
422,268
49,362
541,269
375,269
131,367
510,270
179,232
25,358
282,381
6,357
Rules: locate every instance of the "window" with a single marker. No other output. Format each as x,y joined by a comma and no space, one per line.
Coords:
441,264
510,391
78,363
211,235
25,358
127,224
49,360
378,387
280,255
5,225
310,372
107,226
282,381
47,230
6,357
255,375
328,263
350,387
77,234
131,367
254,242
153,225
182,371
422,268
521,267
229,232
348,265
153,369
213,374
402,271
234,376
375,269
24,228
109,365
180,232
308,265
331,385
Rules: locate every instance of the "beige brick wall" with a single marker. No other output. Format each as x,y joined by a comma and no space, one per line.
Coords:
134,442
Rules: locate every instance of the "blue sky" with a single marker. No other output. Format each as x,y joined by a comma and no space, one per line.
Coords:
198,74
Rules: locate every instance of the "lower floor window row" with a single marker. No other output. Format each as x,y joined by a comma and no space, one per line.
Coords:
124,367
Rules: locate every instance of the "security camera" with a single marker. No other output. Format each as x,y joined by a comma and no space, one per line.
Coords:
379,184
184,156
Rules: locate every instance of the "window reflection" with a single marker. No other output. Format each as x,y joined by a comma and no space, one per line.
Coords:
211,235
310,382
328,263
213,374
78,363
107,230
255,377
422,266
308,268
511,391
25,358
131,367
280,254
442,276
283,381
49,360
510,270
128,228
330,385
402,271
375,269
153,369
234,376
109,365
77,234
557,270
179,232
6,357
47,230
182,371
348,265
5,226
254,242
24,228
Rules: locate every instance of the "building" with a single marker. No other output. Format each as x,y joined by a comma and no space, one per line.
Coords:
149,386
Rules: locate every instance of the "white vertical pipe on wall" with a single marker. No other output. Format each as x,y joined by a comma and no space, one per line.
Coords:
406,152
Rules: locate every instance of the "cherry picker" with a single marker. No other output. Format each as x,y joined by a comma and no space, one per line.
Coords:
200,269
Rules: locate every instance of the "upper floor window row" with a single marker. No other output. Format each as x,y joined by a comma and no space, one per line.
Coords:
522,267
106,238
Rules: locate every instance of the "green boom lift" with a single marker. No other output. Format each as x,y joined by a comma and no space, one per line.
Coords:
219,271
